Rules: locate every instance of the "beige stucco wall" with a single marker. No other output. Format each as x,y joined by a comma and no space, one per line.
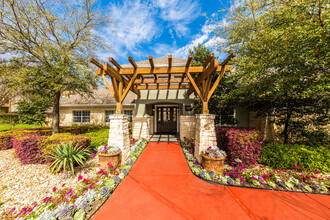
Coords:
97,114
262,124
187,126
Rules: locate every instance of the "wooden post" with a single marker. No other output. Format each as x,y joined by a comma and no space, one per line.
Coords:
205,107
119,108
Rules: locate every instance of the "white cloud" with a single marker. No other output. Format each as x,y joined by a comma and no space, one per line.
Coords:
134,24
179,14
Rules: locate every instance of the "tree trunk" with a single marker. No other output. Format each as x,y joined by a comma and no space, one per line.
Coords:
56,113
286,126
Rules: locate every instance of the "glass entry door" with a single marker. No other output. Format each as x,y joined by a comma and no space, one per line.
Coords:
167,119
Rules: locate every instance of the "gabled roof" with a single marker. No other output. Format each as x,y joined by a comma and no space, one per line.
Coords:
158,62
100,96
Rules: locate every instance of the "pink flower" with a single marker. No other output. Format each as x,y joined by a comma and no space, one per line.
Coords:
261,166
227,174
266,176
263,182
54,189
314,176
297,167
12,210
63,185
80,177
254,177
94,155
85,172
255,162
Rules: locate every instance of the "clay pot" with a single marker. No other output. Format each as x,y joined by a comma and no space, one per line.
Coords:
215,164
114,159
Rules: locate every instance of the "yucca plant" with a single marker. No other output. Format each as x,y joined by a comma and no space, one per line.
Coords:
65,156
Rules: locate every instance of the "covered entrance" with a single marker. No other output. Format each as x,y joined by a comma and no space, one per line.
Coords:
166,119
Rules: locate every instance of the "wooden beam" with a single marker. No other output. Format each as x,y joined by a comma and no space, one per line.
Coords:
108,84
128,87
115,88
187,67
163,87
152,66
192,81
208,60
169,68
212,68
228,59
216,83
150,81
109,70
114,63
130,59
93,61
164,70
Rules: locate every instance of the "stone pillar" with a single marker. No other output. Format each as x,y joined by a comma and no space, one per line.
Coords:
141,127
205,134
118,135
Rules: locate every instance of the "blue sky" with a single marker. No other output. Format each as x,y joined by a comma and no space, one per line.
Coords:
159,27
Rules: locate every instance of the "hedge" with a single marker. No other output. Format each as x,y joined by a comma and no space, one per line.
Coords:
27,148
286,156
50,142
242,145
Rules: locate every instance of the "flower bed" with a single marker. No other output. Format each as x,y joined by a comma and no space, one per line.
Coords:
80,203
260,176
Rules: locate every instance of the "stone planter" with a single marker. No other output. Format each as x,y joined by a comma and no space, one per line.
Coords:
215,164
114,159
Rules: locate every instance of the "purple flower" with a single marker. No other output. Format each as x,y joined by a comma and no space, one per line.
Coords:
94,155
242,179
254,177
227,174
261,179
263,182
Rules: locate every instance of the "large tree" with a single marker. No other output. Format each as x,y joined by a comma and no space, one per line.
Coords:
282,67
50,42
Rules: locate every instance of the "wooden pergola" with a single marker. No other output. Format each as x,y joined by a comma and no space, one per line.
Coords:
135,79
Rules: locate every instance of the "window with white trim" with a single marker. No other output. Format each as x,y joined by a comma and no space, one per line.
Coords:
130,115
81,116
107,115
227,116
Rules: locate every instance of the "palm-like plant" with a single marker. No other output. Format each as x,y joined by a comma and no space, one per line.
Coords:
65,156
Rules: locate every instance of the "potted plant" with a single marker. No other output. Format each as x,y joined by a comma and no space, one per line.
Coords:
108,154
213,159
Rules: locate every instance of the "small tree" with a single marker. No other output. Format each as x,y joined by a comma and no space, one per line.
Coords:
33,111
52,41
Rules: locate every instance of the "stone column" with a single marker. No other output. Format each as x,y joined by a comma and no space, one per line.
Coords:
141,127
205,134
118,135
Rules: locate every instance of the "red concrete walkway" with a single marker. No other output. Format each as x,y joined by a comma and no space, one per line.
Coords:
161,186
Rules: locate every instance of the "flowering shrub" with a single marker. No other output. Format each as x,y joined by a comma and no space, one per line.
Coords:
243,146
27,148
52,141
5,141
283,156
70,204
108,149
262,177
214,153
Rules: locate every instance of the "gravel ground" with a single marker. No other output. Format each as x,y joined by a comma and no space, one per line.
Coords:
22,185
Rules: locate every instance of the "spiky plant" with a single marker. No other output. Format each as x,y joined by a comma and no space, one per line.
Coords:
65,156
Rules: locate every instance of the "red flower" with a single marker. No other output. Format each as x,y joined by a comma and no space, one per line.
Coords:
80,177
297,167
54,189
255,162
316,172
266,176
63,185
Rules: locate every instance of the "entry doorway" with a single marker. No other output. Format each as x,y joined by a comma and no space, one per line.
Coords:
167,119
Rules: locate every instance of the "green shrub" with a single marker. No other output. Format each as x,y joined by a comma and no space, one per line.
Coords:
67,156
56,139
283,156
99,137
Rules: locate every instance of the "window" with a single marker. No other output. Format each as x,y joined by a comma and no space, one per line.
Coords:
227,116
81,116
130,115
107,114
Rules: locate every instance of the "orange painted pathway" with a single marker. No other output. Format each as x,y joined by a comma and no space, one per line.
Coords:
161,186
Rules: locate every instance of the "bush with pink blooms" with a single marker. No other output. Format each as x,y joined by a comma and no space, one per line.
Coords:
243,146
